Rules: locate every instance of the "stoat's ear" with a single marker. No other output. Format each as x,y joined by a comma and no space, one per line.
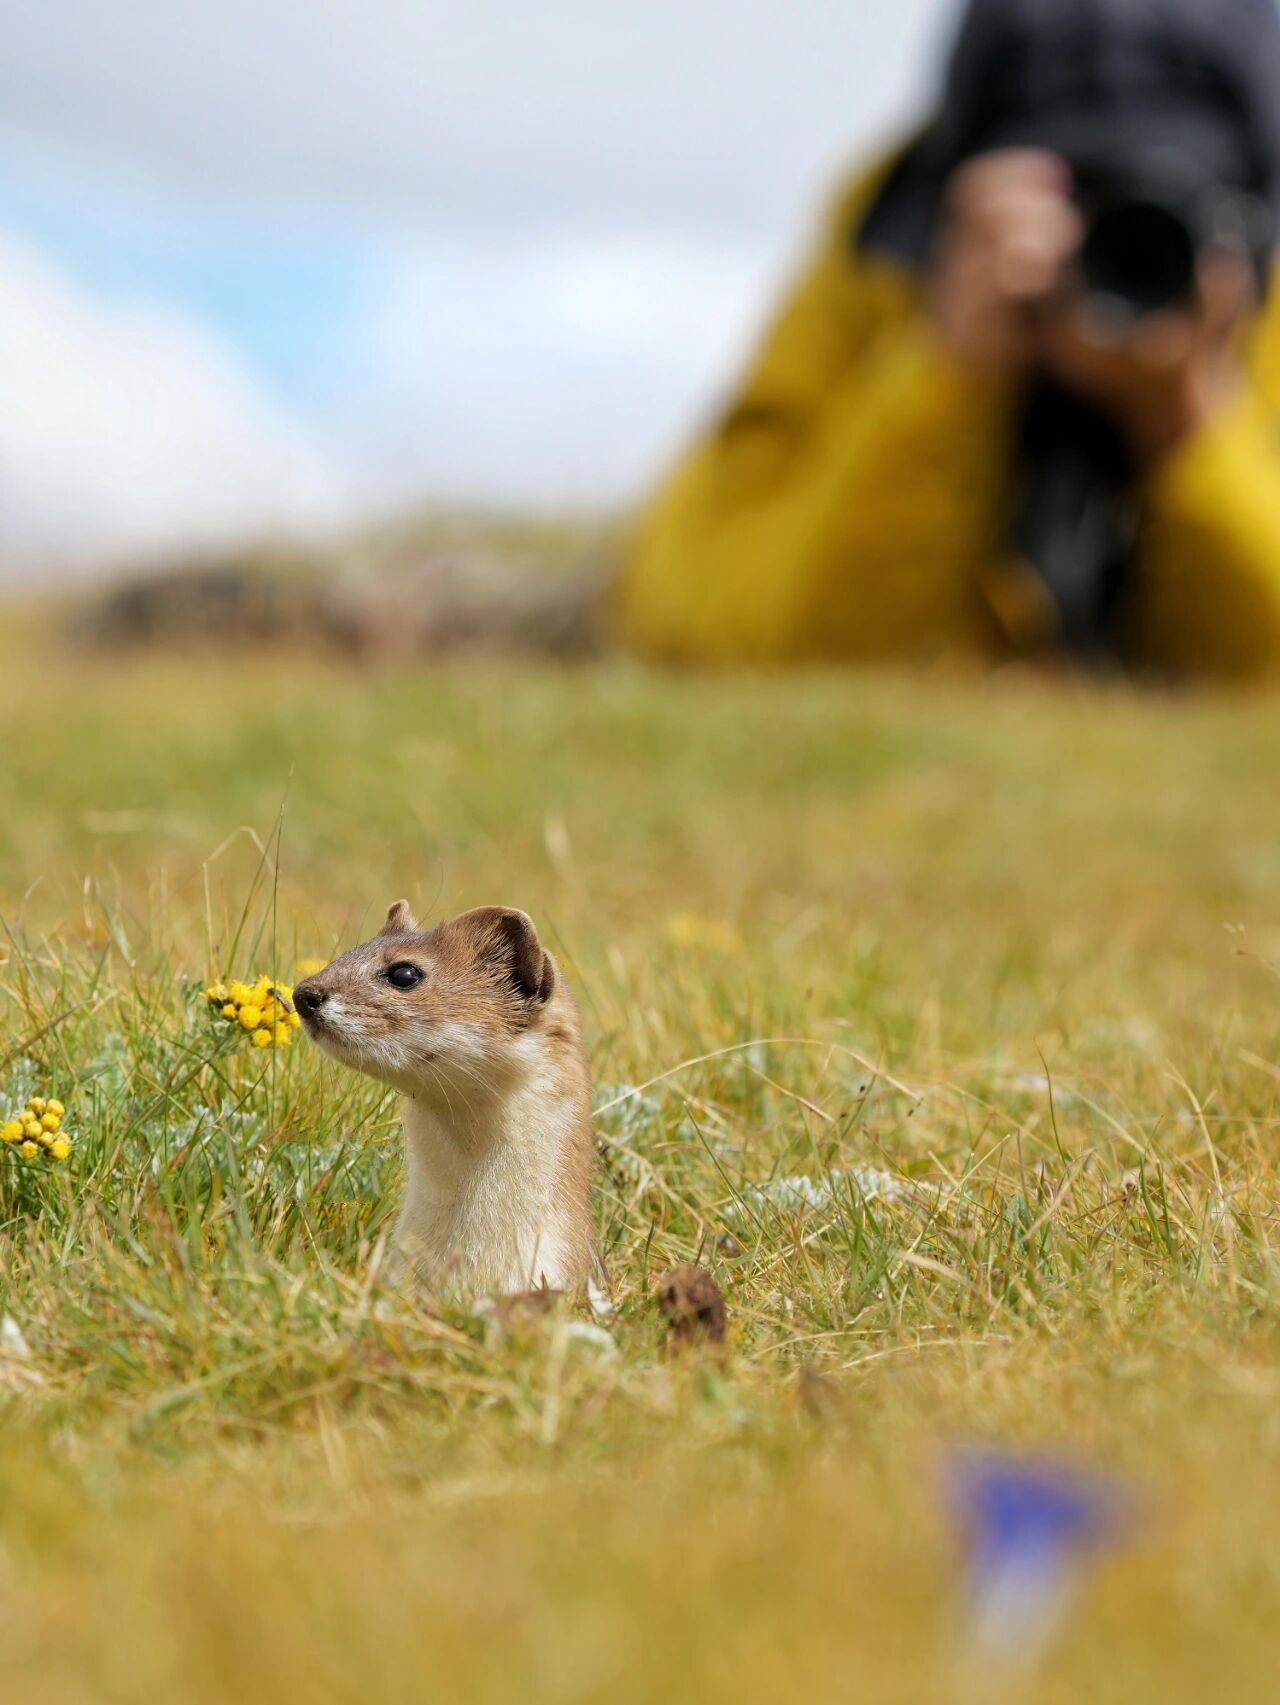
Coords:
509,939
400,920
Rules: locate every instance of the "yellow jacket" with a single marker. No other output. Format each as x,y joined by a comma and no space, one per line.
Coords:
850,502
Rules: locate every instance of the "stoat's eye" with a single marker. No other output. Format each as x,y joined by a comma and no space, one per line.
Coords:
403,975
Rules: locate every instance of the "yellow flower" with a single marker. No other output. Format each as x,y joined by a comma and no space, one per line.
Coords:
60,1148
45,1139
30,1149
36,1104
263,1007
309,967
11,1130
55,1107
50,1121
31,1127
216,992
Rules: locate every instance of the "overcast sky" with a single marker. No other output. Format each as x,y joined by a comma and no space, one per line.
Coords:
282,262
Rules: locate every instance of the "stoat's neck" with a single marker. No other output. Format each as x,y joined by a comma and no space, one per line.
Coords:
489,1201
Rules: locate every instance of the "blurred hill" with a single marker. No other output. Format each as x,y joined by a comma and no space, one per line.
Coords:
422,584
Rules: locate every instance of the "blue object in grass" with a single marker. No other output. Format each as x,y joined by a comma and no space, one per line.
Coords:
1029,1526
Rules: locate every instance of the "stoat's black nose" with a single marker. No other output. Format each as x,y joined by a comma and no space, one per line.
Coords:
309,999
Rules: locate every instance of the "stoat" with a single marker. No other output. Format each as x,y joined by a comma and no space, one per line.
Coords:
474,1024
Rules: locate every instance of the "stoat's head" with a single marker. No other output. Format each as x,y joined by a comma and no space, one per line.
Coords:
448,1012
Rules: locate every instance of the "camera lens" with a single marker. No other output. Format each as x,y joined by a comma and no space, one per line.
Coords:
1139,257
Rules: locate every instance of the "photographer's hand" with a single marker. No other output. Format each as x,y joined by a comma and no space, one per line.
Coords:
1010,228
1168,374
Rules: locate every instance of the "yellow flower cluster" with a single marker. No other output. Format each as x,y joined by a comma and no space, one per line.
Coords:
38,1130
263,1009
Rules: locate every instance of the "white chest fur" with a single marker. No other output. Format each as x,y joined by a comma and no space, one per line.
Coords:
485,1204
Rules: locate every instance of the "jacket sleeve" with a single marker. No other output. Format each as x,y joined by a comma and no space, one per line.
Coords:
1207,598
844,504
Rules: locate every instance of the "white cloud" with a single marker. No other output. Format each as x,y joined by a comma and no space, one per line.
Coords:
544,373
579,214
711,115
126,430
521,372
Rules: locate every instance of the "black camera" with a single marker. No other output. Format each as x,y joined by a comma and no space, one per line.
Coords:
1143,243
1075,520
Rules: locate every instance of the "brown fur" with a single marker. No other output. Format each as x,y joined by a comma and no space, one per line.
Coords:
487,1051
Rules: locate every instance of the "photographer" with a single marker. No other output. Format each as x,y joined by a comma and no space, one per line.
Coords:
1026,399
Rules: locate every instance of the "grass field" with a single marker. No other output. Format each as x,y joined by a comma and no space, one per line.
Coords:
987,965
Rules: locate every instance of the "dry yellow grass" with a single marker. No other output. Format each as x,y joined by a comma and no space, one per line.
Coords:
985,965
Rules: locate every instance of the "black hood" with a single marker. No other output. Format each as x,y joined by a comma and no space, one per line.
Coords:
1186,90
